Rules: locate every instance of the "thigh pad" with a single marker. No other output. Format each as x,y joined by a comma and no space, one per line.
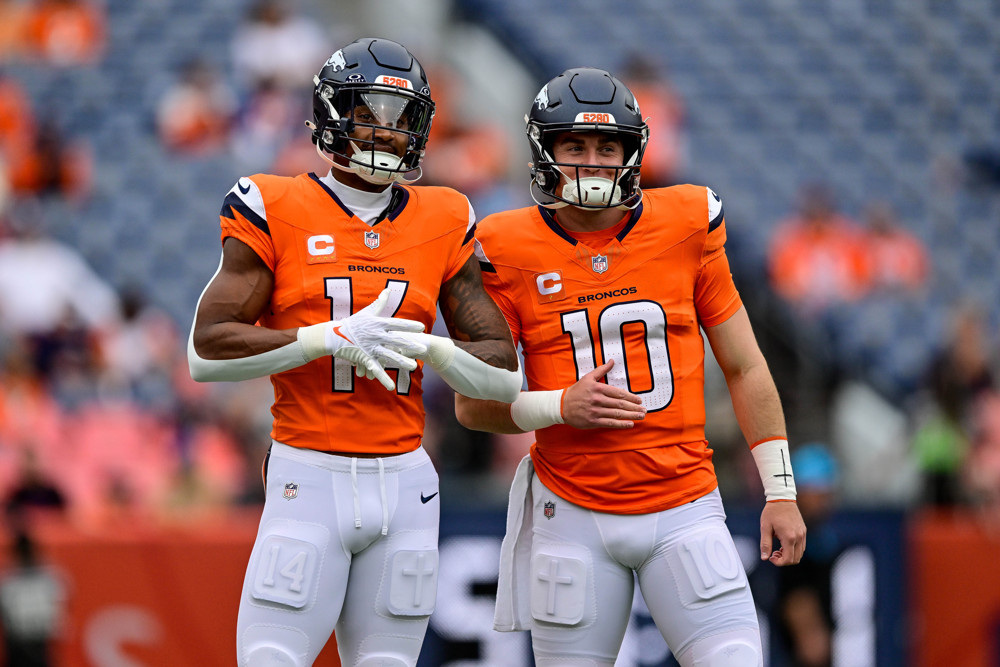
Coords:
286,562
706,565
559,582
412,583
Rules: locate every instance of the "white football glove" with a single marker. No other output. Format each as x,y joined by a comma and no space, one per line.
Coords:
369,341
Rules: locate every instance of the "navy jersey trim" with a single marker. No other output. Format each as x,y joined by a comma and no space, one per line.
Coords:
233,203
471,234
636,213
717,220
400,197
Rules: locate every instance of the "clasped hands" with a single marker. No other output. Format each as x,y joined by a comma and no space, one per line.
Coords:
371,341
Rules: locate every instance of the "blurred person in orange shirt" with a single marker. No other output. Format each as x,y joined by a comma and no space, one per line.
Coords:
65,33
12,16
460,157
818,257
196,113
663,109
896,258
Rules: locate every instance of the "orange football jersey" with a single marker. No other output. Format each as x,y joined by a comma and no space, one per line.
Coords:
639,300
327,265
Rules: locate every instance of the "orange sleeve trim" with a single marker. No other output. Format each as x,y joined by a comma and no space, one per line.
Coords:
770,439
782,500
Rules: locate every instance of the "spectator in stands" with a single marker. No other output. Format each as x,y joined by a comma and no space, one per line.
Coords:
458,159
959,378
140,354
32,604
30,420
270,118
12,17
276,44
33,490
982,467
65,33
17,128
196,113
666,153
43,282
804,611
817,257
896,258
37,156
56,165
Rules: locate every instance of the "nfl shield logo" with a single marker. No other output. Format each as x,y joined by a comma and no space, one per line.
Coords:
599,263
371,239
291,490
549,510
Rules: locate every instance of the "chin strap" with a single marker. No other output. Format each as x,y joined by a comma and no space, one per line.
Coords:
367,171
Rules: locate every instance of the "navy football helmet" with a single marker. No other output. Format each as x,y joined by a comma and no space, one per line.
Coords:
585,99
372,83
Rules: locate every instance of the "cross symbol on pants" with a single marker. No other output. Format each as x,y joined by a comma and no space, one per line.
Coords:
420,571
553,579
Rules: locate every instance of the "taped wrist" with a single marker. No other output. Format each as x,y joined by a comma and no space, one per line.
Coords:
533,410
775,467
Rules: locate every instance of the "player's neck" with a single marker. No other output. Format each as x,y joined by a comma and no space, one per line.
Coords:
574,219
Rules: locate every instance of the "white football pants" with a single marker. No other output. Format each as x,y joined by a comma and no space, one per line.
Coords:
688,570
344,543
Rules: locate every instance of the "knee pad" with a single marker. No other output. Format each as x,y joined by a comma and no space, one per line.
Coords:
412,583
284,647
559,583
735,648
706,565
382,661
286,563
384,650
570,662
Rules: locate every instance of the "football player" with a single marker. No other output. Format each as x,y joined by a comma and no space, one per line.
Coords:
607,287
320,275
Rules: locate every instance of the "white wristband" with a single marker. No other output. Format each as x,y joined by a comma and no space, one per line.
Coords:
775,467
533,410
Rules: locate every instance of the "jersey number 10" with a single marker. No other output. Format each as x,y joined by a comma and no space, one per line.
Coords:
611,323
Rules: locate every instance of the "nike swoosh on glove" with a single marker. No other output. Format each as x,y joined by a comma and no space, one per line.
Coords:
370,341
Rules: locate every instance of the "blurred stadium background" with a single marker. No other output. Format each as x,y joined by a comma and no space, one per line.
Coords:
891,103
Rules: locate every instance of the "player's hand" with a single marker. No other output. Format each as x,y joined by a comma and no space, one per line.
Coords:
781,519
369,340
591,403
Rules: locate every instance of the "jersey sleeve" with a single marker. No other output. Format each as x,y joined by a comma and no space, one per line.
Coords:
715,296
244,217
467,248
496,289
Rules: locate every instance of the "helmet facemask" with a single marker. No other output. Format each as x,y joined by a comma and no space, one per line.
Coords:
585,192
374,107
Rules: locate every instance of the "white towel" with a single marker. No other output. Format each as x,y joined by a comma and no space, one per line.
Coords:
513,612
